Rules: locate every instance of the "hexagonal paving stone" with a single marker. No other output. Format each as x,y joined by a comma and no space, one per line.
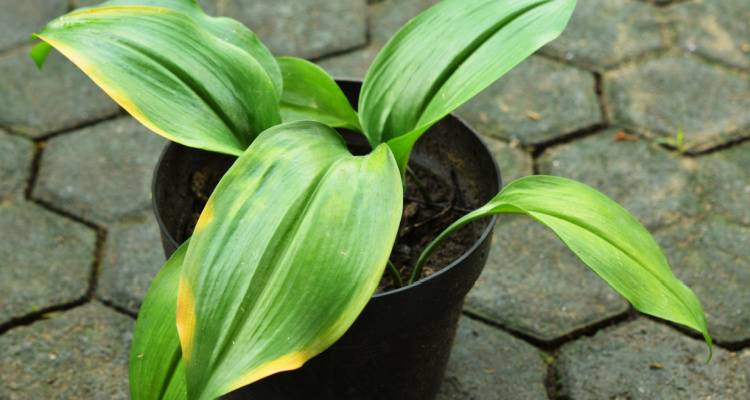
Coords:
36,102
676,92
45,259
513,162
604,33
78,354
489,364
534,285
20,19
713,258
385,18
646,360
537,101
724,183
715,29
350,65
745,360
132,257
302,28
101,172
652,183
15,163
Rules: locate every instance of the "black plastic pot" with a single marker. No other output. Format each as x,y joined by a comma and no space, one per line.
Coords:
399,346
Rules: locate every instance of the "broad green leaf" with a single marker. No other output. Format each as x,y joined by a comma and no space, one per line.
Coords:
310,94
227,29
447,55
285,255
604,236
171,73
156,368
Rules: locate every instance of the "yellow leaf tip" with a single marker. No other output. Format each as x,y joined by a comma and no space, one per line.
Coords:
185,317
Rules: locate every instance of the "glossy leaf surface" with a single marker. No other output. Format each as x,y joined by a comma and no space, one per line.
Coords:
605,237
311,94
172,73
156,368
447,55
287,252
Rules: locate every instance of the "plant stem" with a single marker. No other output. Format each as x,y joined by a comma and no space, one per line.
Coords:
420,186
422,260
395,275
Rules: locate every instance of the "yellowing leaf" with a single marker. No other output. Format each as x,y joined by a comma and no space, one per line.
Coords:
172,73
289,249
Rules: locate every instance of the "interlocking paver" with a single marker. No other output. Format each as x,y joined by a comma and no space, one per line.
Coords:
646,360
713,258
15,163
604,33
513,162
132,257
534,285
745,360
680,92
652,183
384,19
35,103
101,172
20,19
716,29
536,102
723,182
308,29
78,354
489,364
45,259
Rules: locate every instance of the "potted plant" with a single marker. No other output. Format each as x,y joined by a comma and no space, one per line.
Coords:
293,241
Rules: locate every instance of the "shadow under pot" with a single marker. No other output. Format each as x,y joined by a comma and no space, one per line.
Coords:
399,346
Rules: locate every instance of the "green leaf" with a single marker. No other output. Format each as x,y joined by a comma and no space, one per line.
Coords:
287,252
605,237
447,55
311,94
171,73
227,29
156,368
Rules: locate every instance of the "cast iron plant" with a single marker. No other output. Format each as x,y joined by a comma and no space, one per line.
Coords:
297,234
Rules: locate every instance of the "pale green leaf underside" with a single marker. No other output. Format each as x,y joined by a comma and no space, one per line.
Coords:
605,237
156,368
286,254
171,73
447,55
310,94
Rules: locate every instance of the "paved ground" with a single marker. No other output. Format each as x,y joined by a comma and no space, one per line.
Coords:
602,104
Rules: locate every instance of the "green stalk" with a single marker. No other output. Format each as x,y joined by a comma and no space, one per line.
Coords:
395,274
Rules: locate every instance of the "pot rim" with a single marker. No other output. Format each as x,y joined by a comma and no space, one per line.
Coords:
486,231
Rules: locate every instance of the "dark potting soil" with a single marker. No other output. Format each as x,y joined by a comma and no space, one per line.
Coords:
431,204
